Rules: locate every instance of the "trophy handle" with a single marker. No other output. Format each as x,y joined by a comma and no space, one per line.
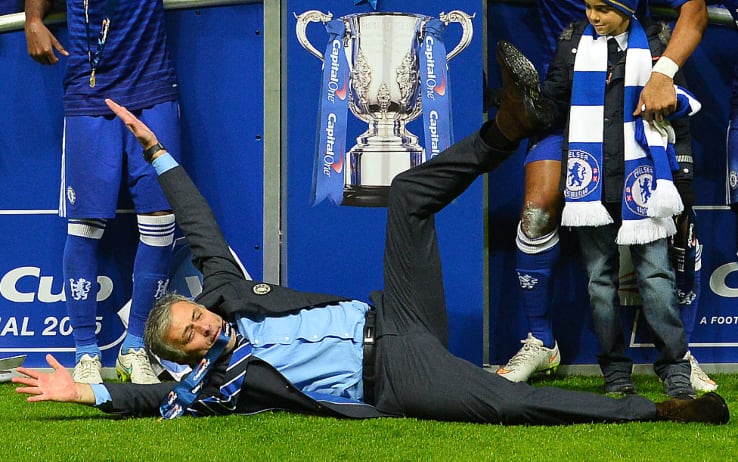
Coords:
466,27
302,21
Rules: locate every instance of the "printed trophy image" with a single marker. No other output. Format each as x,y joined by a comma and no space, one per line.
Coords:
390,63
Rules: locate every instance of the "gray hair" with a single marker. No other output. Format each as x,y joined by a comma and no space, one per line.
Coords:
157,327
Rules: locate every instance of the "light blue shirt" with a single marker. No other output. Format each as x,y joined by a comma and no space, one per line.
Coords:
319,350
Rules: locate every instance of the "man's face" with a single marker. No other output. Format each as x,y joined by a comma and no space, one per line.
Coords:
605,19
194,329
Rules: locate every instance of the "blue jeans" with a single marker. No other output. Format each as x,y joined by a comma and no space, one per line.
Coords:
656,283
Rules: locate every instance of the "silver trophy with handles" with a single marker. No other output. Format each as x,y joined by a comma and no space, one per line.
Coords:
382,54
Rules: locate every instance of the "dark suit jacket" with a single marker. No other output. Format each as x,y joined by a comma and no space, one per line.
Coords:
228,293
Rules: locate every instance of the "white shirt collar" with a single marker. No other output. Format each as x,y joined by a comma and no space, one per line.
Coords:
622,40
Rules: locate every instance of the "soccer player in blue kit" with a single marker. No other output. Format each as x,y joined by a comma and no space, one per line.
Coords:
117,49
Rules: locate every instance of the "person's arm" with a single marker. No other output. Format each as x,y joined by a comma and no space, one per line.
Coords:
211,254
40,41
658,96
54,386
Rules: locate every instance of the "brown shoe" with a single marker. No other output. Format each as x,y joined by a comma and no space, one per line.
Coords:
520,114
708,408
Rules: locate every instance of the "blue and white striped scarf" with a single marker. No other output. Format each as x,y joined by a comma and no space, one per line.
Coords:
647,208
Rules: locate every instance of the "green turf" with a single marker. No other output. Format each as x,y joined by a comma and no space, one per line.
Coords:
52,431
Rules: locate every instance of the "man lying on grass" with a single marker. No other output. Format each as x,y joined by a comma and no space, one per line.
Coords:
256,346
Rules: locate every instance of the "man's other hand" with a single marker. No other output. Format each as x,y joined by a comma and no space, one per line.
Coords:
53,386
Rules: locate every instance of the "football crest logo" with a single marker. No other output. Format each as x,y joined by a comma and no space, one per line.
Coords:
733,180
527,281
583,174
638,189
71,195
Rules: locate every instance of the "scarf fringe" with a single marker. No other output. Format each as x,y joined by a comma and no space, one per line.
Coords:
585,214
644,231
665,200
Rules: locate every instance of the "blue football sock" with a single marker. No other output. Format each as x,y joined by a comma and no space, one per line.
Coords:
91,350
79,265
151,267
132,342
535,261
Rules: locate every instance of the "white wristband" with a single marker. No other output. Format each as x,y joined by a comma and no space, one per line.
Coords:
666,66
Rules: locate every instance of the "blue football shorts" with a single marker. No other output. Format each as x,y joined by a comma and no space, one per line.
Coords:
101,156
549,148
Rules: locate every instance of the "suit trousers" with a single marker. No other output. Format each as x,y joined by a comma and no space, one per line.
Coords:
416,374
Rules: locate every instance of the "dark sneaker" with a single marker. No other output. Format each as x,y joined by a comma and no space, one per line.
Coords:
520,114
619,383
708,408
679,386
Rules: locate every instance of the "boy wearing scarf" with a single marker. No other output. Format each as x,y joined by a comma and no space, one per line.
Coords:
618,182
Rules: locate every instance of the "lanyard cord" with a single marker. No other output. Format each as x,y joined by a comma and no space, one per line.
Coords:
102,39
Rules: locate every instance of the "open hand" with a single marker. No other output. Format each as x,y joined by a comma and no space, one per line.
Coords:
143,134
53,386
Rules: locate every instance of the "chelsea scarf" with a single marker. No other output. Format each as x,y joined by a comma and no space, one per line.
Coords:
649,197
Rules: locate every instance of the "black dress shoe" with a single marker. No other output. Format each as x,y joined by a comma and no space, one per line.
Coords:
708,408
520,114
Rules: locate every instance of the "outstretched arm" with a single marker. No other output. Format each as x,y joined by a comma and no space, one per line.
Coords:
658,96
211,254
40,41
53,386
59,386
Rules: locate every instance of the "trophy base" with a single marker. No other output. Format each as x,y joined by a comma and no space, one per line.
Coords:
365,196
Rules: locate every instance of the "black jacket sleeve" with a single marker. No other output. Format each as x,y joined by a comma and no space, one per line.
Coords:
226,291
210,251
136,400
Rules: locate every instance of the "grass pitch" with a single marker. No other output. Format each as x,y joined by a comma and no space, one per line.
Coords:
65,432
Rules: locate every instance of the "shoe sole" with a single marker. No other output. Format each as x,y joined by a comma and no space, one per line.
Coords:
88,381
525,77
537,373
548,371
620,393
520,67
